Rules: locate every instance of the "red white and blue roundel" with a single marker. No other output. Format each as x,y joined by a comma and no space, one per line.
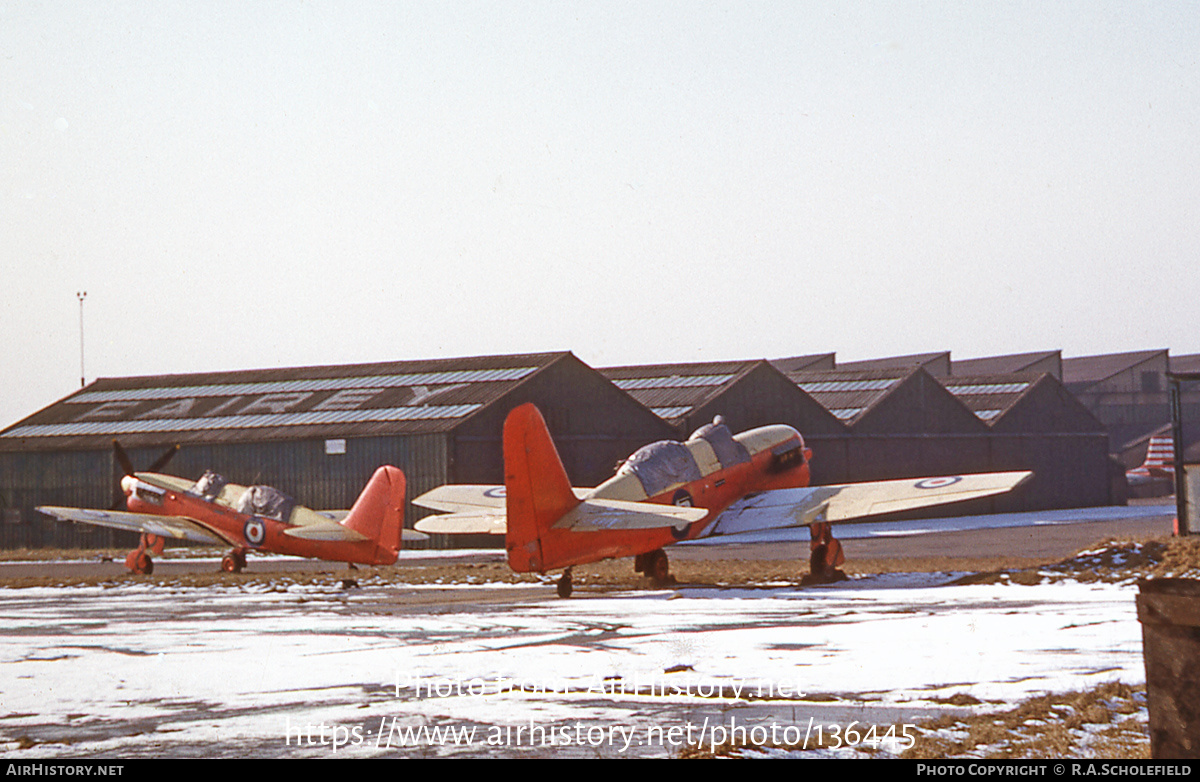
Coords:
496,491
254,532
938,483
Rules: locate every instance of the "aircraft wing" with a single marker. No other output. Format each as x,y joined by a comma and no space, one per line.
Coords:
176,527
854,501
588,516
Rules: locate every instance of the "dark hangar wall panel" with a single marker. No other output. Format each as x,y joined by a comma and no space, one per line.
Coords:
594,424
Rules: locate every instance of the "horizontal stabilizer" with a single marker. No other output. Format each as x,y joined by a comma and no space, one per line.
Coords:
854,501
596,515
175,527
480,522
326,532
463,498
588,516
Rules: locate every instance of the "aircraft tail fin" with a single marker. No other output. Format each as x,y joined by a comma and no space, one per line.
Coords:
538,492
1159,461
378,513
1160,453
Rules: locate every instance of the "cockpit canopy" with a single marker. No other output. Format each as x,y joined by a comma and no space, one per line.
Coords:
267,502
728,450
667,463
209,486
661,465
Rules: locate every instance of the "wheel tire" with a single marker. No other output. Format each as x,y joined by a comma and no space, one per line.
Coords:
230,565
660,567
143,564
564,586
816,562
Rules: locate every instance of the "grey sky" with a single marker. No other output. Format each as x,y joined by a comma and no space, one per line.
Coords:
243,185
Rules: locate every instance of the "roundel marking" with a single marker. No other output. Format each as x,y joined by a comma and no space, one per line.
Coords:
498,491
683,500
937,483
254,532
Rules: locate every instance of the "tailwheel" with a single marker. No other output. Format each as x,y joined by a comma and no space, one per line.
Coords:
234,561
658,567
138,561
564,584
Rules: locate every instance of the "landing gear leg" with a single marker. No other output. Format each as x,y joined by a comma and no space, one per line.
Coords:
234,561
138,561
564,584
826,555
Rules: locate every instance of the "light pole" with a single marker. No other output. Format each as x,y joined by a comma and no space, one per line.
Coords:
81,295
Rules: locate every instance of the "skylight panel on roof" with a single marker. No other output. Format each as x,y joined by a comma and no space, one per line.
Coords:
835,386
988,388
674,381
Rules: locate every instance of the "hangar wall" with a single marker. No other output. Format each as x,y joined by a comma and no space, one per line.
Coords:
911,425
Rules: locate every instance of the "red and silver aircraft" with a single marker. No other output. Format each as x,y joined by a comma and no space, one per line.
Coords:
716,483
253,518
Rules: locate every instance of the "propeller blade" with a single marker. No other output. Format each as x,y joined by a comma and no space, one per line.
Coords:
162,460
122,462
123,458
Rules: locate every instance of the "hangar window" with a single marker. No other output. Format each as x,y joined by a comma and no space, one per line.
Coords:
661,465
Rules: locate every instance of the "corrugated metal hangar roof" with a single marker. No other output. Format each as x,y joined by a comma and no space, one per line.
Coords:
672,391
848,393
1084,371
401,397
1049,361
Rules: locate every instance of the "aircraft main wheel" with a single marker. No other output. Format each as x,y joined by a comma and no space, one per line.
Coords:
816,562
564,584
659,567
232,564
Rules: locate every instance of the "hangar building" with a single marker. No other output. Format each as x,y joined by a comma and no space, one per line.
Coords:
317,433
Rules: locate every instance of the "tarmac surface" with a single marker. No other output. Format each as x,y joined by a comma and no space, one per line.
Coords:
1047,542
191,662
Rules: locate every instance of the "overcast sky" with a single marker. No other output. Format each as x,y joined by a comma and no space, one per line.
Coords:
262,184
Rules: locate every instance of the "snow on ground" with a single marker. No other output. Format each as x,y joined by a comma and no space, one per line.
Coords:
278,671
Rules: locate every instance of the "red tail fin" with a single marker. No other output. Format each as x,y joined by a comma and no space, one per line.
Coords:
538,491
378,513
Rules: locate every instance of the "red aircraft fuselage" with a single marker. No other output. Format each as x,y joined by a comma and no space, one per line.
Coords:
712,470
257,533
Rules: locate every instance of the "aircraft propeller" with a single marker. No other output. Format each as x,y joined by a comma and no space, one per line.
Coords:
123,463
